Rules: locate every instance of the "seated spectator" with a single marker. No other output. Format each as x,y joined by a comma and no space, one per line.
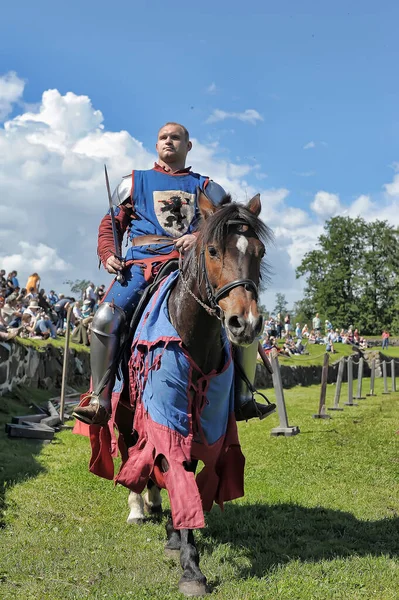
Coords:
3,279
298,331
356,337
44,327
43,302
301,348
9,285
52,298
86,308
305,331
312,337
10,313
76,311
27,329
270,343
31,295
363,345
328,326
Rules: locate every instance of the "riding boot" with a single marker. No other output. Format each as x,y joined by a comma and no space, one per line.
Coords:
106,331
245,405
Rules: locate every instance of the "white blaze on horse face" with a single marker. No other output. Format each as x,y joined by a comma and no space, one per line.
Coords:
136,505
251,319
242,244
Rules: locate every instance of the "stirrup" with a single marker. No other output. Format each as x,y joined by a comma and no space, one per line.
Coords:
92,414
252,409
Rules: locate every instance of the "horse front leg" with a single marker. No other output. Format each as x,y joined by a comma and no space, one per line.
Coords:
152,499
173,545
136,505
193,581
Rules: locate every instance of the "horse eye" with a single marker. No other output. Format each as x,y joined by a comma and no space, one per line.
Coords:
212,251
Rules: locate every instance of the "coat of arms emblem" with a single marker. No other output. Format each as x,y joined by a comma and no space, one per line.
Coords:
174,209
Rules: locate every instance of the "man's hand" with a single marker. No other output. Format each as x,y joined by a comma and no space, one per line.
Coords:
113,264
186,242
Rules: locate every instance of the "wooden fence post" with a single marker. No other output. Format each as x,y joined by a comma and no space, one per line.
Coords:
350,383
360,380
322,404
393,376
372,378
65,364
338,384
384,374
284,428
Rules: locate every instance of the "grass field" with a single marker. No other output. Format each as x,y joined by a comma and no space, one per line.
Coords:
320,518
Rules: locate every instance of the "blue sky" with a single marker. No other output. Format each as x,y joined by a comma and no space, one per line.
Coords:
319,77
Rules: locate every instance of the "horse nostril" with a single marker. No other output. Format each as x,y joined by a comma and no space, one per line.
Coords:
236,324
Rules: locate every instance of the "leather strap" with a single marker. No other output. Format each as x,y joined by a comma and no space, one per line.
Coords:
144,240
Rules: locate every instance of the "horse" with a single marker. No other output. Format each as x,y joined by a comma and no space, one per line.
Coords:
210,306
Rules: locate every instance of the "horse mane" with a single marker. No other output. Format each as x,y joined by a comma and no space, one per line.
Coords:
214,229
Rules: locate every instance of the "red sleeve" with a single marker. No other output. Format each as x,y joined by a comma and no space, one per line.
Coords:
105,236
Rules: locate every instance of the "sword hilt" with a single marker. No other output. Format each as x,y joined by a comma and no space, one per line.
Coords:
120,278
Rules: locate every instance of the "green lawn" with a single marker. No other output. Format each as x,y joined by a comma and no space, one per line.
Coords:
58,343
320,518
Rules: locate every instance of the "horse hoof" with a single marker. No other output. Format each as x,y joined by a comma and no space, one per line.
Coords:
151,509
132,521
193,588
173,553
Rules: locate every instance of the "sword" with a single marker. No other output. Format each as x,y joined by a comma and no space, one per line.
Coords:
120,278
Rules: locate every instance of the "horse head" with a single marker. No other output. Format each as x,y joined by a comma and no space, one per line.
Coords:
230,250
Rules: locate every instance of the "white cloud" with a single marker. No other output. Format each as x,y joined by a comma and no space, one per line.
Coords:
39,257
313,144
247,116
212,88
11,90
52,194
360,207
392,189
326,205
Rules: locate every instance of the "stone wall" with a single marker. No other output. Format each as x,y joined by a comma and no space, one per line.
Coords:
42,368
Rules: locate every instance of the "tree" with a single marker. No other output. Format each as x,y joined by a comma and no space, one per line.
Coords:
281,304
352,277
78,286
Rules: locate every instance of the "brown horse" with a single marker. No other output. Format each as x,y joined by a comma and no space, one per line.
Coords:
213,302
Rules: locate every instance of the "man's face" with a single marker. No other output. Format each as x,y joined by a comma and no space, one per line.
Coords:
172,145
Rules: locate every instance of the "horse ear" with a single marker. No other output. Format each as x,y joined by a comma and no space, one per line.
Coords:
254,205
207,208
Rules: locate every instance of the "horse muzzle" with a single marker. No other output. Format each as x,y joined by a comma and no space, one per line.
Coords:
241,330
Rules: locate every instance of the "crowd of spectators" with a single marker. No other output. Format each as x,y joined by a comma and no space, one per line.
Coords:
30,312
295,339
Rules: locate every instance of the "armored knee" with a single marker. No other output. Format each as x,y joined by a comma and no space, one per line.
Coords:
108,320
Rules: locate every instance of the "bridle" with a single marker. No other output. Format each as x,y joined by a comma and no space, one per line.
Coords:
215,295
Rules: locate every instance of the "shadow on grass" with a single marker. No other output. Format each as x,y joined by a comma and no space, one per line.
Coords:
273,535
18,457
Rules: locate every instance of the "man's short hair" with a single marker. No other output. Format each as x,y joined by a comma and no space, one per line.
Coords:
185,131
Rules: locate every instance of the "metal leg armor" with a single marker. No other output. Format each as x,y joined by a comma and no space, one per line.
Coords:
106,329
245,405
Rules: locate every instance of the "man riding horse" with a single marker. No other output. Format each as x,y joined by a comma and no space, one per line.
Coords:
159,209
